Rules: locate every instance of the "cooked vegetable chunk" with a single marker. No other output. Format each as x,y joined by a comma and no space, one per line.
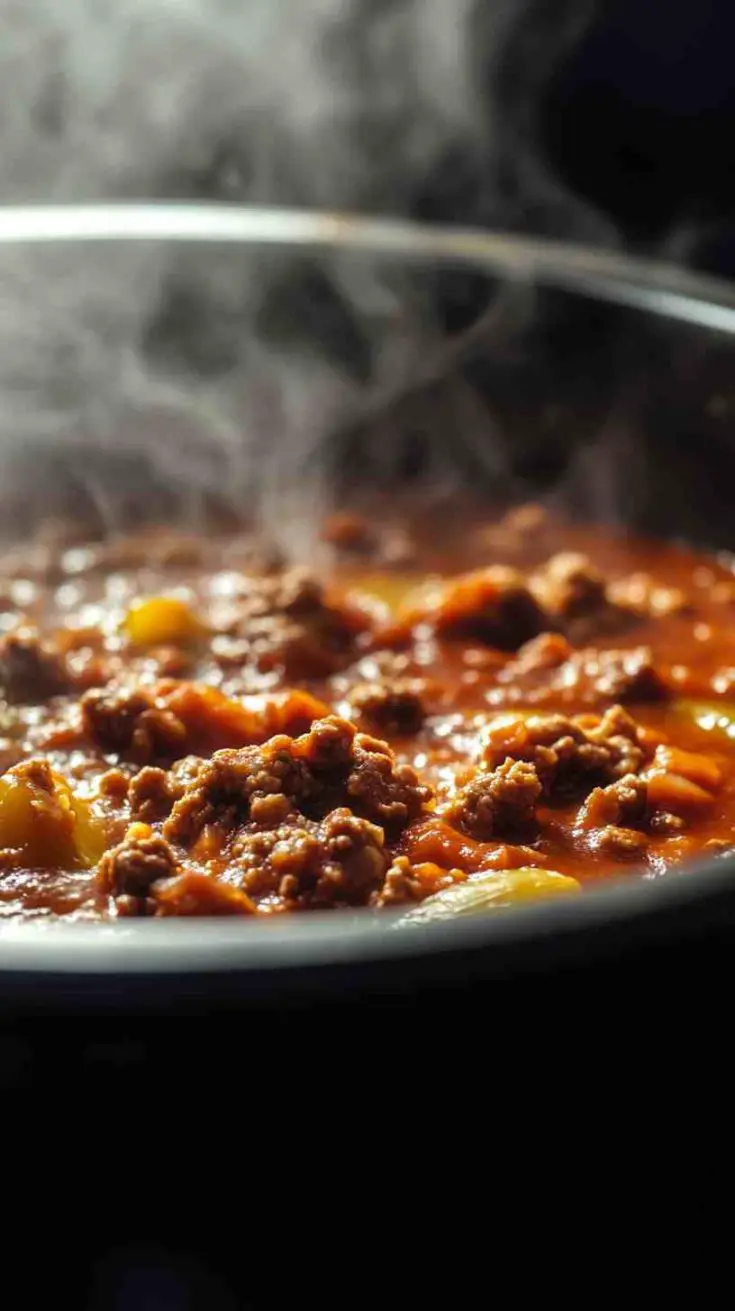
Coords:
498,890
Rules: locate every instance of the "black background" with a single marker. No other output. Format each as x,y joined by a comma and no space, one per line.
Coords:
640,119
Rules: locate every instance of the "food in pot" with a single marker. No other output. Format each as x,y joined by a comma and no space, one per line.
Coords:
486,717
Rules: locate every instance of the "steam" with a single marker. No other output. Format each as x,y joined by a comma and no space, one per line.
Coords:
146,377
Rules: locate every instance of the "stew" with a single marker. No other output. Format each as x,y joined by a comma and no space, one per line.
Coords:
460,715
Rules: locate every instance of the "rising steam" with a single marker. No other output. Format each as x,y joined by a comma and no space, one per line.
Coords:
146,375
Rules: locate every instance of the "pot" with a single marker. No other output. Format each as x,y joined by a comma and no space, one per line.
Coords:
588,378
184,362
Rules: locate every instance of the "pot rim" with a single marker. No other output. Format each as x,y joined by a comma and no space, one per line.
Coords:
649,284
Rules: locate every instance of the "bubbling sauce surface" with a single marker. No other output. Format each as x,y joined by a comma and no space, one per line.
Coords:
457,713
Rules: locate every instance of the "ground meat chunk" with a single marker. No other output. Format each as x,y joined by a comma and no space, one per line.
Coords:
114,784
619,675
571,756
379,788
576,597
329,767
129,869
406,882
131,724
223,789
547,671
547,651
38,774
351,768
624,802
493,605
285,621
393,705
151,794
340,859
618,732
329,745
497,803
620,843
30,669
569,586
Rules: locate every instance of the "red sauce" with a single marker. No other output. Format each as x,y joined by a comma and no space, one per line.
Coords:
189,728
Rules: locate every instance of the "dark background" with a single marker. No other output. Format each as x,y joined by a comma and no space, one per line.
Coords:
640,120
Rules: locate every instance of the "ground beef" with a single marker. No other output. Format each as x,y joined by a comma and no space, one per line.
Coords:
400,883
571,756
329,746
620,843
547,651
618,675
406,882
340,859
330,767
351,768
143,876
619,733
492,605
30,669
624,802
114,784
576,598
131,724
285,622
152,793
379,788
224,787
393,705
616,814
569,586
497,803
129,869
547,669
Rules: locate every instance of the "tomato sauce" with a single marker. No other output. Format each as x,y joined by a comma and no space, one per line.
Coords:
460,713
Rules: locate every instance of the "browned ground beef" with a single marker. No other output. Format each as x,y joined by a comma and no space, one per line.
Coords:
130,724
391,706
498,803
493,605
568,757
30,669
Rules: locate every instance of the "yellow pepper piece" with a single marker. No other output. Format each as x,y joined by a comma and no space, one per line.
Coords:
160,621
494,890
46,824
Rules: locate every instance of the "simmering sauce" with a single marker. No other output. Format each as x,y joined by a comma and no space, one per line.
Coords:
463,714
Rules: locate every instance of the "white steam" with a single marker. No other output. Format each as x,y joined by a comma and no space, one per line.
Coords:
160,373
